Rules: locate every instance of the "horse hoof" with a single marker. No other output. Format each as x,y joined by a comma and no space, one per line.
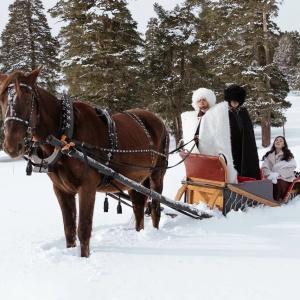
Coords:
71,245
85,251
156,226
139,228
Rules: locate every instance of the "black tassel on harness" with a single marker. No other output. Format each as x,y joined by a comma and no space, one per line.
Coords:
29,168
148,209
106,205
119,207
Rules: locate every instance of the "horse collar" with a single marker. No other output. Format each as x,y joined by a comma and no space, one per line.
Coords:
67,117
43,165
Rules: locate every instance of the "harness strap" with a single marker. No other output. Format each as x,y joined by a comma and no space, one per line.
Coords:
111,126
10,112
112,140
17,119
141,124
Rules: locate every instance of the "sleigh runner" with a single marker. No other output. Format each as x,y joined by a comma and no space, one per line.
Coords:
206,181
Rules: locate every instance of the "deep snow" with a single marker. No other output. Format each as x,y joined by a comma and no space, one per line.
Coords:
253,255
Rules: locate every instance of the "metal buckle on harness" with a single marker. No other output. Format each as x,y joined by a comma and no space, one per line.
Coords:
67,146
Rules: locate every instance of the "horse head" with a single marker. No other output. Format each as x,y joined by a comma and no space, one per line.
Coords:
17,101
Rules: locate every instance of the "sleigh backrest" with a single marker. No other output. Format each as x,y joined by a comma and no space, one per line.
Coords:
206,168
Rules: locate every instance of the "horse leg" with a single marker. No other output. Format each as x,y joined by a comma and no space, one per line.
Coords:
87,196
138,204
68,209
156,180
156,184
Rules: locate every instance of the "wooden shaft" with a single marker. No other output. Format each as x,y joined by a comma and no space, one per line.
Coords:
128,182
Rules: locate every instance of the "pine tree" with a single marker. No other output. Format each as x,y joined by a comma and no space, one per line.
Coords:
238,46
27,42
172,67
101,51
269,85
287,57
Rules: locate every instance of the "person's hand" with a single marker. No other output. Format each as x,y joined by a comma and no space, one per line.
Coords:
273,176
180,143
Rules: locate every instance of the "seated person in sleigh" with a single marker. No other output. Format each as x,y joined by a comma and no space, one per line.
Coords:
279,167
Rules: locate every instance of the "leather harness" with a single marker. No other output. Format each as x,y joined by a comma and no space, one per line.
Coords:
44,165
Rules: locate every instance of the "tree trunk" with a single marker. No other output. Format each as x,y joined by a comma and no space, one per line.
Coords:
266,129
266,38
266,119
178,128
31,37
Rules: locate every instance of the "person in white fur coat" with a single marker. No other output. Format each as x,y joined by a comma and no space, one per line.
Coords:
202,100
211,129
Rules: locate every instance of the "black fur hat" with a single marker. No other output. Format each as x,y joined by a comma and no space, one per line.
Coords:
235,92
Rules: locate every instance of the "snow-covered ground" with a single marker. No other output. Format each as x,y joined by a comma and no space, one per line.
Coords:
254,255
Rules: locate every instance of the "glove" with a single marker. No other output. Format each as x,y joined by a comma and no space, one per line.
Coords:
273,176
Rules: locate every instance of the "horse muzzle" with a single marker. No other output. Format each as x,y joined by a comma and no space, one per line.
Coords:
14,150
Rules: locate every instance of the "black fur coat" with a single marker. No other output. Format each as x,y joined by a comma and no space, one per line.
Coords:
244,150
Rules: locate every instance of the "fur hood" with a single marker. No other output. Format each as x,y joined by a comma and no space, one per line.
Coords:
236,93
207,94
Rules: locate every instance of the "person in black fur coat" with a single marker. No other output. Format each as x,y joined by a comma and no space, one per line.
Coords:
243,145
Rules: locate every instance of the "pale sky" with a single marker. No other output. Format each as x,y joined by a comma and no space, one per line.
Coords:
142,10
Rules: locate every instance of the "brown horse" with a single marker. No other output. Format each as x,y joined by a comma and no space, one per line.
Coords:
29,110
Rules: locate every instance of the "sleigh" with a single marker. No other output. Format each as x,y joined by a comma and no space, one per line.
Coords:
206,181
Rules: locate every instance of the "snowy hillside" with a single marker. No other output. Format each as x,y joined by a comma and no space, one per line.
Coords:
254,255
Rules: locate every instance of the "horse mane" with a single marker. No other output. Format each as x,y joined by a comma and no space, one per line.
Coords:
16,76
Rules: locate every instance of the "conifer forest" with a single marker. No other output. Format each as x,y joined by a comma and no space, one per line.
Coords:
99,56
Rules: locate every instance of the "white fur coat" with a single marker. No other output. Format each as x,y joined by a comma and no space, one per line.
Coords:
285,169
214,134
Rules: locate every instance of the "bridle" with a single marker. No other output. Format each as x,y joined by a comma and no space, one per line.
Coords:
32,146
11,114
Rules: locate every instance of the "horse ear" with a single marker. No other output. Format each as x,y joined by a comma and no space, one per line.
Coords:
2,78
32,77
18,89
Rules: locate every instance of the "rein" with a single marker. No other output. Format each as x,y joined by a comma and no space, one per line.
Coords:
126,151
86,147
113,150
